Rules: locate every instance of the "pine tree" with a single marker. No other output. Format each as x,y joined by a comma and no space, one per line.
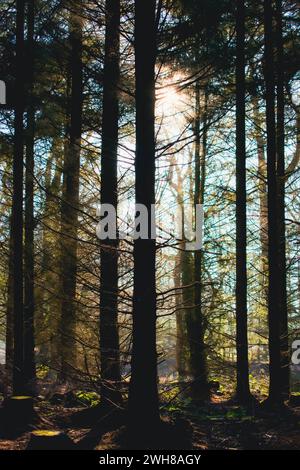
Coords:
109,335
143,393
70,199
17,207
280,167
198,366
29,340
275,397
243,390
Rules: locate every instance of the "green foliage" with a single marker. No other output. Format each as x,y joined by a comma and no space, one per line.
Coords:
259,384
42,371
236,413
88,398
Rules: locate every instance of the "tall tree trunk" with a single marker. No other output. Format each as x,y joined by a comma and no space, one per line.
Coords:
143,393
263,196
198,367
9,332
263,220
179,280
243,389
275,397
48,301
188,298
29,357
17,206
109,334
280,135
70,199
180,324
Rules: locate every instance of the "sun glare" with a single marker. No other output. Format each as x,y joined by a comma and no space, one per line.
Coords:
170,98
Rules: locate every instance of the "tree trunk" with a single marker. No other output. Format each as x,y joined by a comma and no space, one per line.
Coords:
143,393
263,220
280,136
181,331
275,397
9,332
182,352
48,301
70,199
29,357
263,197
198,367
109,334
180,324
243,389
17,206
188,294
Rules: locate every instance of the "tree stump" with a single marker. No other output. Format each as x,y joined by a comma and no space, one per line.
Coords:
19,409
17,415
50,440
294,400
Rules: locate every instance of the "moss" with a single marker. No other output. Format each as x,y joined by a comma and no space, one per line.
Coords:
42,371
88,398
236,413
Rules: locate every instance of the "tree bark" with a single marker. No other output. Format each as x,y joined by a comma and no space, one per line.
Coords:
109,334
243,388
48,313
180,279
282,269
180,323
143,393
29,340
263,220
9,332
275,397
198,366
70,199
17,207
263,197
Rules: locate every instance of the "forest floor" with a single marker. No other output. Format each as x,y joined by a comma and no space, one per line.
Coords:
217,425
226,426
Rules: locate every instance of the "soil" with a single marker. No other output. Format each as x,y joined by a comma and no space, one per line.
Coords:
216,425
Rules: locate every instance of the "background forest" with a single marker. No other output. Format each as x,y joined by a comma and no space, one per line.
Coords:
172,102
